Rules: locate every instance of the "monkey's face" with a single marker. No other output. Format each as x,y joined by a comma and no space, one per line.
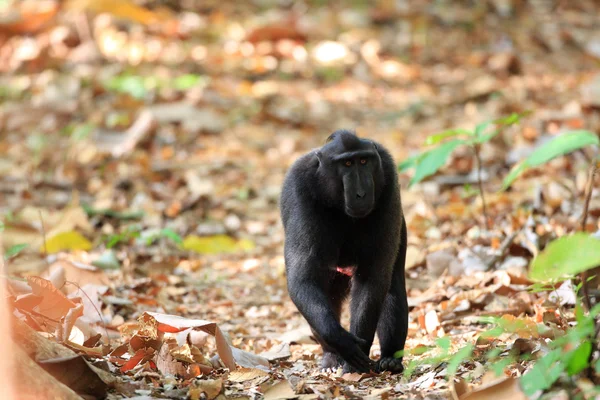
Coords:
359,185
350,169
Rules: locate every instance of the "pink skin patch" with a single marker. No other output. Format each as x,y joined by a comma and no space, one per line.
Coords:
348,271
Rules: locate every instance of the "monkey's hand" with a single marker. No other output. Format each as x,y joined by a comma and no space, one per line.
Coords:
349,347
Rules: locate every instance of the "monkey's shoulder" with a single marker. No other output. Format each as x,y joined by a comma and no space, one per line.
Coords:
302,172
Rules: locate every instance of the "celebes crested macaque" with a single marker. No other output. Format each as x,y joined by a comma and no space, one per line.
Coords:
345,234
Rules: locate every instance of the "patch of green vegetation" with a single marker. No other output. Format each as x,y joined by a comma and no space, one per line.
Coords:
140,87
330,74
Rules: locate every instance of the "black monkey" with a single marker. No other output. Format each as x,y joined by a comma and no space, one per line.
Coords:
345,234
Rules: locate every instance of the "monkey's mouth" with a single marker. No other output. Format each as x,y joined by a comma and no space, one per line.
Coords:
358,213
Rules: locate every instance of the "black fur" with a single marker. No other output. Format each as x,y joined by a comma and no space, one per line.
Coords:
347,215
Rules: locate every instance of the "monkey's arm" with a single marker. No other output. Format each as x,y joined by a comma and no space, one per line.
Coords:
307,291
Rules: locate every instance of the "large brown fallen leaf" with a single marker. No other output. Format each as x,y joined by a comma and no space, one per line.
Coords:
209,387
501,389
61,362
280,390
7,347
27,17
54,305
246,374
249,360
124,9
174,324
277,352
32,382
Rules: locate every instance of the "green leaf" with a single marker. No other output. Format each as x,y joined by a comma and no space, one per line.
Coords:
81,132
563,144
409,163
486,138
444,343
433,160
458,358
543,374
566,256
595,310
512,118
560,145
499,366
579,358
66,241
14,250
417,351
492,333
113,240
169,233
481,136
438,137
480,128
188,81
133,85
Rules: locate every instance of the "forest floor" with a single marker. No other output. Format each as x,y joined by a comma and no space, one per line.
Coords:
142,163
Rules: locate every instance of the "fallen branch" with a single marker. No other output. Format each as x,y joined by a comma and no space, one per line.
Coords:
503,248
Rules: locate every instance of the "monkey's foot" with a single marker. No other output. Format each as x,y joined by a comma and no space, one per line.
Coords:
394,365
331,360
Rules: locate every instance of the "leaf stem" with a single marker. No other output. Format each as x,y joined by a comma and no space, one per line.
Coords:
588,194
584,276
480,184
586,205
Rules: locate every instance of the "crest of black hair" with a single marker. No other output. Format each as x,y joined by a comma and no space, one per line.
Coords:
344,133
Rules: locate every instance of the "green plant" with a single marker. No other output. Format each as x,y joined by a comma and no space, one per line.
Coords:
131,232
444,354
150,236
144,237
139,87
429,162
558,146
565,257
569,355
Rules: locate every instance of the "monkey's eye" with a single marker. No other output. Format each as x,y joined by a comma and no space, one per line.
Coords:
363,161
348,163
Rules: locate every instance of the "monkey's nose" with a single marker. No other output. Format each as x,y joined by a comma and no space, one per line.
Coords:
360,194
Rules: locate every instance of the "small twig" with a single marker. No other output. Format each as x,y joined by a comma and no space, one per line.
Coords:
95,308
586,205
44,239
502,250
480,184
588,195
583,276
3,271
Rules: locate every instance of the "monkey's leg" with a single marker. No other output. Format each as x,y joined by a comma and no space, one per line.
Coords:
338,291
340,287
308,286
367,297
393,323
